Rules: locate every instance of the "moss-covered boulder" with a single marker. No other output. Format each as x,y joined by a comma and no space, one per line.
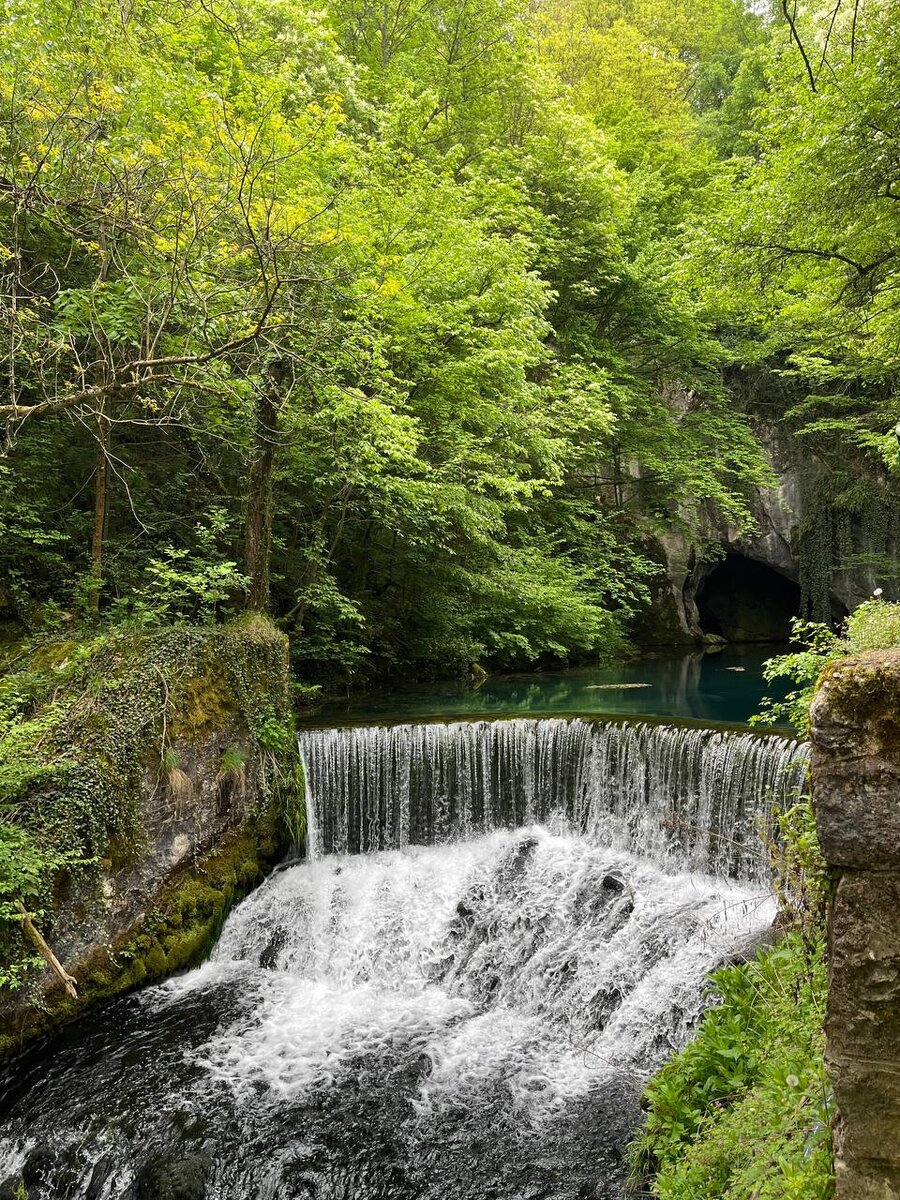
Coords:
148,780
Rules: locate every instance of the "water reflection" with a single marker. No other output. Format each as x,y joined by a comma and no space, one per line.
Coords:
725,686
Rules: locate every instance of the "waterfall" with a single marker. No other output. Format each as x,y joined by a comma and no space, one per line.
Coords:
468,1011
686,798
447,1022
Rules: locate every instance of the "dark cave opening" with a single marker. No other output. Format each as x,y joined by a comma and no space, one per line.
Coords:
746,601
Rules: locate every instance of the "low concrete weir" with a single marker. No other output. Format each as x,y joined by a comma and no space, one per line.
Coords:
687,798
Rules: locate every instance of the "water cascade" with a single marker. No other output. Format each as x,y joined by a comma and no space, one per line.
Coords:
472,1019
686,798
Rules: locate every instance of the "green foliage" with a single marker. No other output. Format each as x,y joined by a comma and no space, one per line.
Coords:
295,804
801,873
794,258
27,873
171,759
824,252
495,391
185,588
744,1111
273,733
874,625
232,760
803,667
190,585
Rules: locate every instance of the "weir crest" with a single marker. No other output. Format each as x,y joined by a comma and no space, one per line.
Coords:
687,798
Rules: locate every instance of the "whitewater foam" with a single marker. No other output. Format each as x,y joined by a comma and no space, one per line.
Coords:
538,958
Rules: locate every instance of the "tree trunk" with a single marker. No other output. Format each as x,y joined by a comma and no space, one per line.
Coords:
258,525
101,502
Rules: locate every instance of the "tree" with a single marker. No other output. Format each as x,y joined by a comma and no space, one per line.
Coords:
364,301
797,255
153,217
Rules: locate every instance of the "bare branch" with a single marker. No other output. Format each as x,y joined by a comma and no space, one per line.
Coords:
862,269
789,17
70,400
834,15
853,31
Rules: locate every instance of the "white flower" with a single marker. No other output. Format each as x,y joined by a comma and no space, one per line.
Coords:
792,1081
878,592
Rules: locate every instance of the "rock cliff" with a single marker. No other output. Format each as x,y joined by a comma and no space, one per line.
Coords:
802,557
171,770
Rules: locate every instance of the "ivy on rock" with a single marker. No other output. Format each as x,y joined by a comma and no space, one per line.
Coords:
90,730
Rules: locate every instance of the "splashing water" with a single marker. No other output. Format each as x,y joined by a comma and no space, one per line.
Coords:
471,1020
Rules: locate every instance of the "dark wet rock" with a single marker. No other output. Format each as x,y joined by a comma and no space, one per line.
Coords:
40,1165
269,956
183,1179
101,1173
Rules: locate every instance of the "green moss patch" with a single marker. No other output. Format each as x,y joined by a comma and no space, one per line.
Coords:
865,690
177,931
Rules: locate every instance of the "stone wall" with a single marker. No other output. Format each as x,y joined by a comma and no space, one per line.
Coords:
856,790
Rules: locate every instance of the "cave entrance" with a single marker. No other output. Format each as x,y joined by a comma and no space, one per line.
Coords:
745,601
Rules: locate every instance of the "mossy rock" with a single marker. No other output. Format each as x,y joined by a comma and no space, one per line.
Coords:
84,769
203,703
863,691
177,931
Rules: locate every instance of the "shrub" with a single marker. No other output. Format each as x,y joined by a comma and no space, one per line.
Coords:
874,625
743,1111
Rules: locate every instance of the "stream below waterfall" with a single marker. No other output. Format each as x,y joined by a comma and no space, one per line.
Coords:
471,1019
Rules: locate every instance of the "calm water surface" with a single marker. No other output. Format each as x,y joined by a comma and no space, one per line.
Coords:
726,686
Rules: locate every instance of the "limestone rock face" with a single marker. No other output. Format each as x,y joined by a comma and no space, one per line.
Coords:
777,511
671,617
178,831
856,791
856,740
678,610
202,791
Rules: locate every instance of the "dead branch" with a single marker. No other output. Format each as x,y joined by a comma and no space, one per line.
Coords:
35,936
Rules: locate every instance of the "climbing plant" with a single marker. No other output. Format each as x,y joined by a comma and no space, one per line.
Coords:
77,751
